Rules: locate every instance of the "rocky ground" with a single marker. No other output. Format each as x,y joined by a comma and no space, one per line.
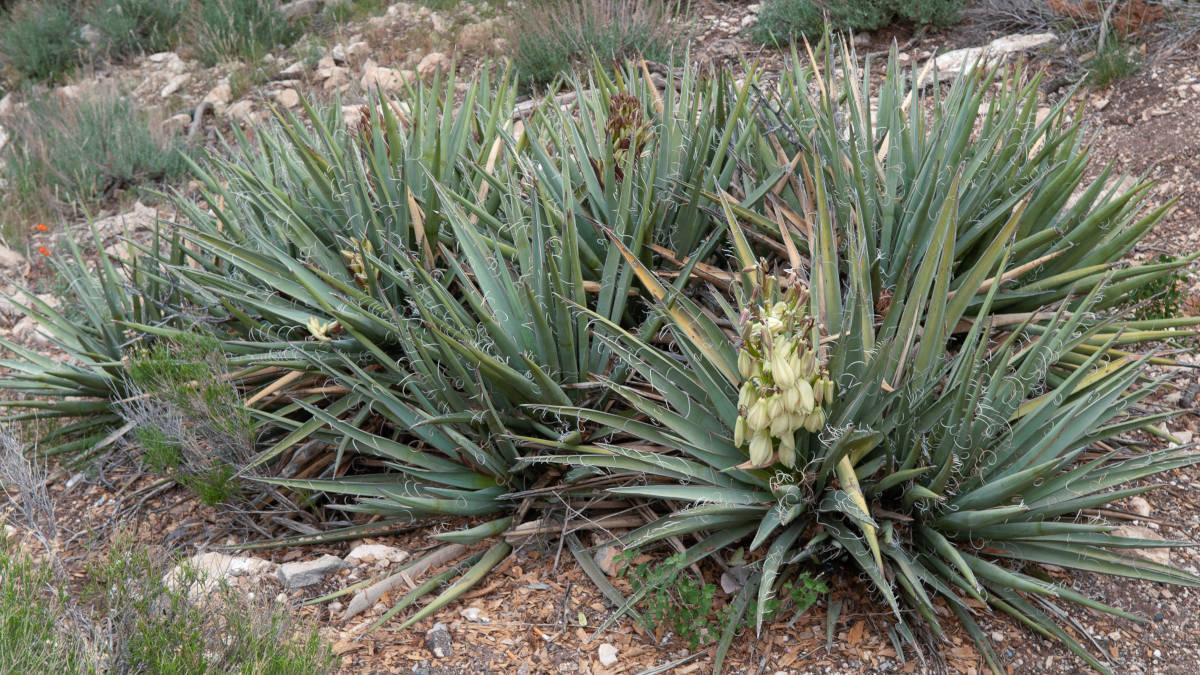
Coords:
539,612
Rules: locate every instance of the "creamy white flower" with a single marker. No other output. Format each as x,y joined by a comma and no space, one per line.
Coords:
760,449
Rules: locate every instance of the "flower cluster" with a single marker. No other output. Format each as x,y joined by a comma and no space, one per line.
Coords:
39,229
357,262
785,384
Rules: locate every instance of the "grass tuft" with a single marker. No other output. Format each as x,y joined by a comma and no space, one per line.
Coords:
1113,61
33,638
164,625
68,156
39,40
190,422
238,29
552,36
131,27
782,21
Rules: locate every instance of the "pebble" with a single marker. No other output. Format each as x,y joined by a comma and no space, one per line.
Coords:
607,654
288,98
309,572
438,641
373,553
431,63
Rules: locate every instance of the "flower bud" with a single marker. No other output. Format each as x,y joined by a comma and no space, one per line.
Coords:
815,420
787,450
745,363
758,417
808,364
739,431
791,399
775,406
807,402
782,370
760,449
782,425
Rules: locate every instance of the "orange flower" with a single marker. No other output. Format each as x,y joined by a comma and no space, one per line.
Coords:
41,227
44,251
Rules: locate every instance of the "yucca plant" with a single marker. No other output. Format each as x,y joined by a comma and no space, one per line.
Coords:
768,314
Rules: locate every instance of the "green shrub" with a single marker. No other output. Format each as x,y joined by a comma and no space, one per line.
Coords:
929,12
70,154
160,452
1114,60
190,422
1164,298
33,634
781,21
162,623
131,27
676,601
353,10
551,36
238,29
39,40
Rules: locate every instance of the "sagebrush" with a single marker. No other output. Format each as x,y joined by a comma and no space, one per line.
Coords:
783,21
39,40
549,37
71,155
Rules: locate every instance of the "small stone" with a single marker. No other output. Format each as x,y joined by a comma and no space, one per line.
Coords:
953,63
139,218
294,70
371,553
606,559
438,641
353,115
220,95
997,636
1140,506
288,98
175,64
300,8
309,572
433,62
159,57
385,79
10,259
474,615
1161,556
733,579
242,111
176,124
335,78
477,36
607,654
343,54
174,85
204,572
